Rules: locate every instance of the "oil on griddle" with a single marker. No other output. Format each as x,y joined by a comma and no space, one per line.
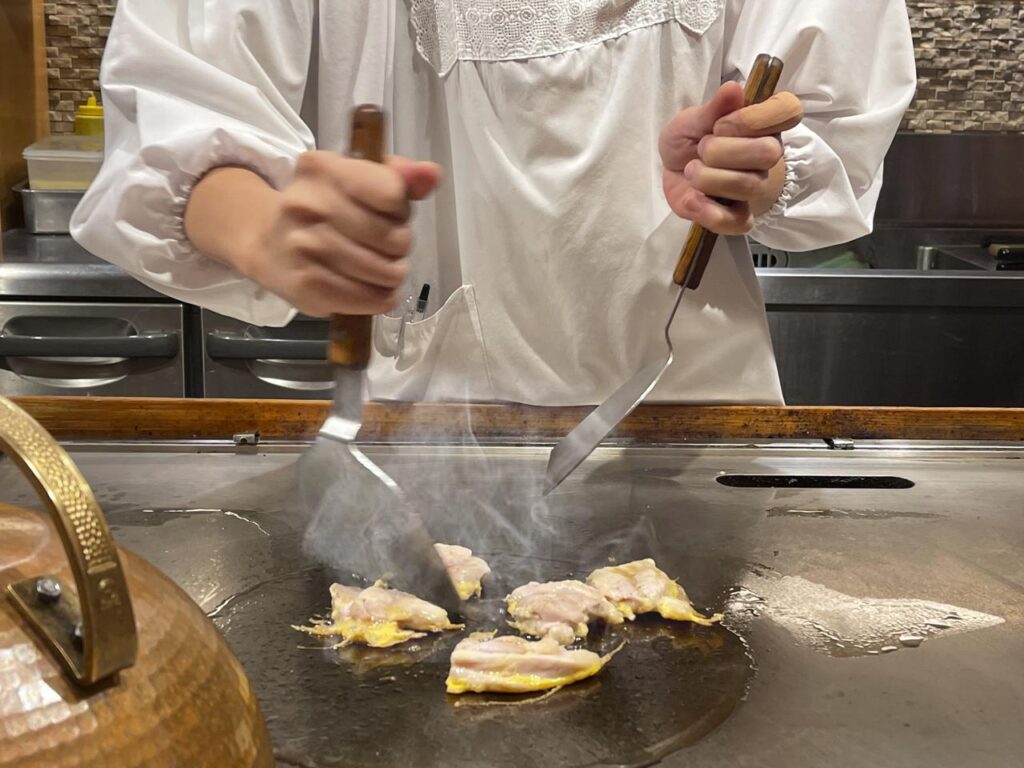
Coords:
670,685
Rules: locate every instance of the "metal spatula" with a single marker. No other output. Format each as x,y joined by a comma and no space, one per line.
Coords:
588,434
361,521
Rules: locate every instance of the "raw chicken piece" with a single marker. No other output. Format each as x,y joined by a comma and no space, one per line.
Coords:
484,663
560,610
641,587
379,617
465,570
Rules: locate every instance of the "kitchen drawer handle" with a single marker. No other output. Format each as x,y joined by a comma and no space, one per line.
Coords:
230,346
142,345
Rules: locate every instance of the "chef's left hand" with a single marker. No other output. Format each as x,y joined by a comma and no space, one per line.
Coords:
725,150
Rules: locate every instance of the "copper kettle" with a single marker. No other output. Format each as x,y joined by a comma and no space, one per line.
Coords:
103,660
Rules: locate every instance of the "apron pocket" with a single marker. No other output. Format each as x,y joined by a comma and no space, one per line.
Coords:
442,357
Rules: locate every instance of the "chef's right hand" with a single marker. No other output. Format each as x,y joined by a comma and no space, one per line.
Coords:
334,241
338,240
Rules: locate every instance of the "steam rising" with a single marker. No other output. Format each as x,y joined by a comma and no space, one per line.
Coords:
483,497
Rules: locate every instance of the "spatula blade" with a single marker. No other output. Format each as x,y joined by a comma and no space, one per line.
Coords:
575,447
362,524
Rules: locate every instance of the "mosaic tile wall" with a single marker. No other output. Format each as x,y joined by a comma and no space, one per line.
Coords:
970,58
75,33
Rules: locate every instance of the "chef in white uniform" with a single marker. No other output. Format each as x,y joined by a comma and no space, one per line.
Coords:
557,124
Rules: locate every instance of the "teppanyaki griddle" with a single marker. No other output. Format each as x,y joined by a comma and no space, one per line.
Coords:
225,526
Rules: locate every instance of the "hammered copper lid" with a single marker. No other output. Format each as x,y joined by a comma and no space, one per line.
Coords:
104,660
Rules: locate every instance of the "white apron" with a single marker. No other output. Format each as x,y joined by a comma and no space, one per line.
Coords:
553,188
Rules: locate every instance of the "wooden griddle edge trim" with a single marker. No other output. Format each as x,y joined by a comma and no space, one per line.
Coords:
87,418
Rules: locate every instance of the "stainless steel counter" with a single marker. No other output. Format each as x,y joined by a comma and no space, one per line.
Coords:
841,337
55,266
892,287
814,580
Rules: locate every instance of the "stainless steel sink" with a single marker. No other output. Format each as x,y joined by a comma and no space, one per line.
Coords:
960,257
939,258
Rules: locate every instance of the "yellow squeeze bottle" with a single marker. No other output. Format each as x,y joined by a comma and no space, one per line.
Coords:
89,118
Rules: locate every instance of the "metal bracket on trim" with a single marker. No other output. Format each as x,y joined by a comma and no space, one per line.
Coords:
246,439
840,443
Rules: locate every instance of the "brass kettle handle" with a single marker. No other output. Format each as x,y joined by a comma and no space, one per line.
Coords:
93,632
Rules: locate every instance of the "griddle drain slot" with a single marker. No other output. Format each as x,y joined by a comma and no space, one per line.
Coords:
839,482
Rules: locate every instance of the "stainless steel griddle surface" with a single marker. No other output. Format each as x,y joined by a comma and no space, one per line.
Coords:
227,527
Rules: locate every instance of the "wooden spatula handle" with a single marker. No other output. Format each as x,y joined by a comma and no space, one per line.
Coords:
761,85
350,336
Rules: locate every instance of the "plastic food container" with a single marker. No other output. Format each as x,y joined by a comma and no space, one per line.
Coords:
64,162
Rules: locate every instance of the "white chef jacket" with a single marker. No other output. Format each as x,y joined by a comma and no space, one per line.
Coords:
546,116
